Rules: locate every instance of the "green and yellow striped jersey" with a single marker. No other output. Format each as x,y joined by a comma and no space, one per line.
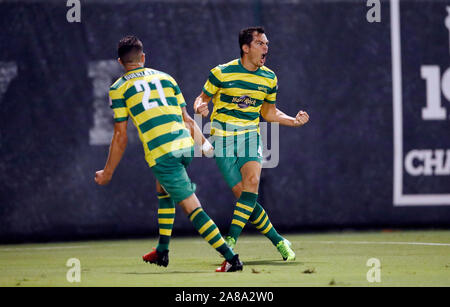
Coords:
238,95
153,100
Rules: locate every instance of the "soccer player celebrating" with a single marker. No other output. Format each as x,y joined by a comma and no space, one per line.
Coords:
241,91
157,108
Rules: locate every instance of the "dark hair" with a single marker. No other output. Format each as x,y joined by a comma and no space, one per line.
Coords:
129,49
246,36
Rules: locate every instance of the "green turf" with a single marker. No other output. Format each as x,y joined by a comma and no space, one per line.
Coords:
336,259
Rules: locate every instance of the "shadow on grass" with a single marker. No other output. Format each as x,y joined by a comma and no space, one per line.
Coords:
164,272
270,262
247,263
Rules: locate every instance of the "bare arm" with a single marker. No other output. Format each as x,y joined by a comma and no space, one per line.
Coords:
201,104
196,133
116,150
271,114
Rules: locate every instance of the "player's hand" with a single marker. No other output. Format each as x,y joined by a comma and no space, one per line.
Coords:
208,149
102,177
201,107
301,119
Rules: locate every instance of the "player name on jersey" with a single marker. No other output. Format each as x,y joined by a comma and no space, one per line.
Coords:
140,74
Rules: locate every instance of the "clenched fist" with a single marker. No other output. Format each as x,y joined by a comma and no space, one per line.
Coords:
102,178
201,107
301,119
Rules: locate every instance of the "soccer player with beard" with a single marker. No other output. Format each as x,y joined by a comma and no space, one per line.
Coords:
241,91
155,104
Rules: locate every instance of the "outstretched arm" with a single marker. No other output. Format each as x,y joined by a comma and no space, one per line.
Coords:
271,114
116,150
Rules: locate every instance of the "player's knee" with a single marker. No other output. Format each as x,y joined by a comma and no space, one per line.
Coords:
252,181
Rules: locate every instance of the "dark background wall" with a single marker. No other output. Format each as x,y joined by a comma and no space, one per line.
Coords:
336,172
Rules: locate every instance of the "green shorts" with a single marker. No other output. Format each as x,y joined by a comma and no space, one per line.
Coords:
232,152
171,174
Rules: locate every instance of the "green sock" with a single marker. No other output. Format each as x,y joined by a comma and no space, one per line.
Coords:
242,211
209,231
166,217
261,220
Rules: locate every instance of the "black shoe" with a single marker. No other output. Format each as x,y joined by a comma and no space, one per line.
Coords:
231,266
160,258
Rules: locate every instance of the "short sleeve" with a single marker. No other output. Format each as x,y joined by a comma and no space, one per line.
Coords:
178,94
271,96
213,83
118,104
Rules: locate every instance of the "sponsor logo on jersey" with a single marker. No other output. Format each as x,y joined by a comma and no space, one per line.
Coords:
244,101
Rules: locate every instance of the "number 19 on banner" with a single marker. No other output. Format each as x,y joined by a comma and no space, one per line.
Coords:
432,75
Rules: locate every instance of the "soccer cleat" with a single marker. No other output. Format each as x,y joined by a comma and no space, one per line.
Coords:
231,242
234,265
161,259
284,247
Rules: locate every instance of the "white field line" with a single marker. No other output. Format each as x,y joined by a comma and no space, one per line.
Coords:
354,242
380,243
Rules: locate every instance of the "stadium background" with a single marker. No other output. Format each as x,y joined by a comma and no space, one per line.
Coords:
334,173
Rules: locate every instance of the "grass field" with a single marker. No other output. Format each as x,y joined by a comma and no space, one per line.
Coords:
408,258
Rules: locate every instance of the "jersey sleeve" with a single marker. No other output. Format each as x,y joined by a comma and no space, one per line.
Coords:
178,94
213,83
271,96
117,103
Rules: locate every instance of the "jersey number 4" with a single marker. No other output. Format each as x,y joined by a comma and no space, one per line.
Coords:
142,85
